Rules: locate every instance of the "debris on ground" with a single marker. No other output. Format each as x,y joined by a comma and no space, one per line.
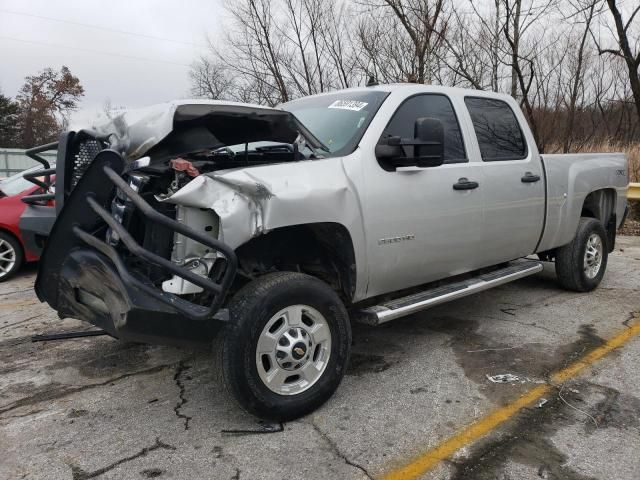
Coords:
574,407
542,402
505,378
67,335
511,378
263,427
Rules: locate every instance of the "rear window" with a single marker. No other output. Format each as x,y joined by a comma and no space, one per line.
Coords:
497,129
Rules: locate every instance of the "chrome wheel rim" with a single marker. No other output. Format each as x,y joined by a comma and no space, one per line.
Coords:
593,255
293,350
7,257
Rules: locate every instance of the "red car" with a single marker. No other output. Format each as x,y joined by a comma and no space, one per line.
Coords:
12,248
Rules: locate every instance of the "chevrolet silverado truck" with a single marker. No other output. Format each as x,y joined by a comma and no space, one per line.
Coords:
265,231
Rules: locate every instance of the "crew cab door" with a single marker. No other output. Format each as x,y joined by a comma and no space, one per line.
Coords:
513,180
421,227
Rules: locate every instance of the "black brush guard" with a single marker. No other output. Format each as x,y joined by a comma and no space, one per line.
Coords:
82,276
39,215
75,152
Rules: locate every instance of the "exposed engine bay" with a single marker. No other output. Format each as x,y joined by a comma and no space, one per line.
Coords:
203,139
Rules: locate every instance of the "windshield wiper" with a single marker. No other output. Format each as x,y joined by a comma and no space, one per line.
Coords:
275,148
289,148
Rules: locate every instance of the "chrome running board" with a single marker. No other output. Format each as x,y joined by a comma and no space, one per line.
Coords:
400,307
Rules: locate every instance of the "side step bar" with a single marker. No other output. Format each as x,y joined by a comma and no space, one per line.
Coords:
400,307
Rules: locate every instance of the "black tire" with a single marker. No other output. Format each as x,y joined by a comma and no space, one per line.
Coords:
250,310
9,241
570,268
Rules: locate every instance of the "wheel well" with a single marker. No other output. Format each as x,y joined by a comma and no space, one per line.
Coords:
323,250
599,204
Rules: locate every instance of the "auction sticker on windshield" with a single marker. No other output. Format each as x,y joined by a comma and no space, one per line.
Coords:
349,105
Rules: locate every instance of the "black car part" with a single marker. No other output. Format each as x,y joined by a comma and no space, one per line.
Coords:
75,151
81,275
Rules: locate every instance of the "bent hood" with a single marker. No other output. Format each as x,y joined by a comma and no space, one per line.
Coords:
187,126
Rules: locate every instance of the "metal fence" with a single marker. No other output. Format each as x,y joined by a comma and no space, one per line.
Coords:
13,160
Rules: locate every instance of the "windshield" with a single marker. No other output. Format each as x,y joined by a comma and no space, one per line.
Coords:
339,119
15,184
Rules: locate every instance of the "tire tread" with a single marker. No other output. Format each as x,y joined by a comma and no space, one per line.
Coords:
255,296
569,258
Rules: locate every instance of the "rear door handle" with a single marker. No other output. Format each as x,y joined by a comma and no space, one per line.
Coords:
530,178
465,184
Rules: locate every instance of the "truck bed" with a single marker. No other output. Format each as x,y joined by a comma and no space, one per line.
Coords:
569,179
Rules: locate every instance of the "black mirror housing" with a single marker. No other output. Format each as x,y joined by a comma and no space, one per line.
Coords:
429,148
426,149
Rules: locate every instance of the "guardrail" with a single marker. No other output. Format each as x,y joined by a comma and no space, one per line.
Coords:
634,191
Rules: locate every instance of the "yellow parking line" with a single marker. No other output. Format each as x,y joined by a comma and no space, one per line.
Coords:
429,459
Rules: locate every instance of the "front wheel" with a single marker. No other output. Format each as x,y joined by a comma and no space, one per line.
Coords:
287,346
580,265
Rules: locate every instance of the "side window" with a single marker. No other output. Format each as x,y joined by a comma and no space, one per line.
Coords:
497,129
429,105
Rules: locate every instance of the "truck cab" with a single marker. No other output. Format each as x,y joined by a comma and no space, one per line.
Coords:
483,205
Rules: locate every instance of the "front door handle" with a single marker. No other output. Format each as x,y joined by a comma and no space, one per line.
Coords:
530,178
465,184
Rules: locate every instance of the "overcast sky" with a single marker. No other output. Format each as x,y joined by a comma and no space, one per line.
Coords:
101,57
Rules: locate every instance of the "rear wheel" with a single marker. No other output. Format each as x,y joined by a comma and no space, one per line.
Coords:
10,256
287,346
580,265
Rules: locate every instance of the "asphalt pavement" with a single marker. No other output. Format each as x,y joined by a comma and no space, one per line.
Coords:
433,382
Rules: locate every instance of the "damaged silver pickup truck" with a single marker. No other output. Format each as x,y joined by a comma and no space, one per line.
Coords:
265,230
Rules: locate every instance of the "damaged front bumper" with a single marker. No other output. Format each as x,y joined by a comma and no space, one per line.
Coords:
83,276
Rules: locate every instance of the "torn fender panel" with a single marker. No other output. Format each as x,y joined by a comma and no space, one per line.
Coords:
251,201
240,212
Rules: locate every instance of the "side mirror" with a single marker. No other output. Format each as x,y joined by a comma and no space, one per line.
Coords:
429,135
426,149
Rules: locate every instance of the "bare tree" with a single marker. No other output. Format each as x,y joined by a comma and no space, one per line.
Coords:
495,46
542,52
258,49
624,48
338,41
210,79
422,23
473,47
278,50
587,12
519,18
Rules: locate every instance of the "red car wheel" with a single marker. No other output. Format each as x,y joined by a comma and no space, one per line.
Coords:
10,256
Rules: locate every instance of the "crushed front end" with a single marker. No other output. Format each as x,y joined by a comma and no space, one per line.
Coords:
109,254
122,257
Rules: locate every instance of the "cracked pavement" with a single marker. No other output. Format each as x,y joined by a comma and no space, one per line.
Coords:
98,408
